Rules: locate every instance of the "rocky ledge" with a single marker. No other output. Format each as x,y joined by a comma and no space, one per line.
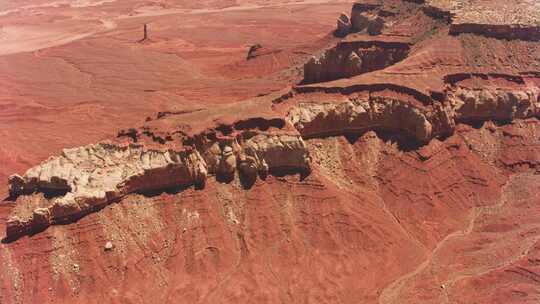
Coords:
499,19
84,179
422,123
354,57
520,20
400,88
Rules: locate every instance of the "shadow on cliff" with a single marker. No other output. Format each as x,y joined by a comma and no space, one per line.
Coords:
479,123
9,199
404,143
170,190
47,193
36,229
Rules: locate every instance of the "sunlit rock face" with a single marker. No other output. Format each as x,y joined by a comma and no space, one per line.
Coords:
404,149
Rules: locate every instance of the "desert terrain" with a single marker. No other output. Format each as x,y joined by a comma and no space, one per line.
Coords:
270,151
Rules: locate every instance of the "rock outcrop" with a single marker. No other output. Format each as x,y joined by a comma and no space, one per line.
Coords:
428,165
503,31
95,175
343,25
365,16
87,178
356,116
252,52
494,19
459,105
350,58
493,104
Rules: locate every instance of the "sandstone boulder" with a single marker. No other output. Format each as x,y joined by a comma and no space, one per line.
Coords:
252,52
108,246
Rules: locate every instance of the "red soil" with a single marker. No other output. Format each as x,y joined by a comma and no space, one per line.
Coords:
454,221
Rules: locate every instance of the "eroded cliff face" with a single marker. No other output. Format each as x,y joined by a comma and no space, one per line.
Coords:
362,202
357,116
85,179
459,105
353,58
421,146
93,176
496,19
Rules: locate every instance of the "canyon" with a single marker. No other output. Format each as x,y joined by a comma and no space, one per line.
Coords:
386,155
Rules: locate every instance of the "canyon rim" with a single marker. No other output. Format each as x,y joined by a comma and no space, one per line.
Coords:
276,151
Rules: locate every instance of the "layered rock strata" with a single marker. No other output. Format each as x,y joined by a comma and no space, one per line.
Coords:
93,176
357,115
366,16
492,19
460,104
350,58
87,178
96,175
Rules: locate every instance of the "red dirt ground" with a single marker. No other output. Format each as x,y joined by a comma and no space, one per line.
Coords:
455,221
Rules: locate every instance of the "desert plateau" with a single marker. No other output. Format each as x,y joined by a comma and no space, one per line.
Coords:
270,151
